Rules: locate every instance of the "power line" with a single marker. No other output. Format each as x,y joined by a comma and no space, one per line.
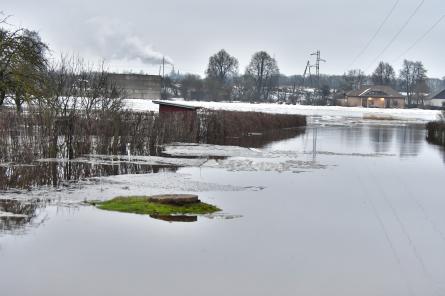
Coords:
408,20
375,34
420,39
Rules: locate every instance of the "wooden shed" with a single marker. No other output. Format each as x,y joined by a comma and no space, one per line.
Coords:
170,106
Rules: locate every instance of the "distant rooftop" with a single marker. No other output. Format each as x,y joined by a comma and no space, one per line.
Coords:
440,95
375,91
174,104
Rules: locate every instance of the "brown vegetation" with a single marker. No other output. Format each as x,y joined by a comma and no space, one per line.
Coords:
226,124
27,136
436,132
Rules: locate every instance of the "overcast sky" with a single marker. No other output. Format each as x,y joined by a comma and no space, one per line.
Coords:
135,34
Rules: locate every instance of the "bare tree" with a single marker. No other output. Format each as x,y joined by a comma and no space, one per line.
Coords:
413,81
354,79
222,66
264,70
220,71
75,97
384,74
244,87
325,92
191,87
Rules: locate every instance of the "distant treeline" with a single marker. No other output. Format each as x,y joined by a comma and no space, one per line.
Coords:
262,81
29,76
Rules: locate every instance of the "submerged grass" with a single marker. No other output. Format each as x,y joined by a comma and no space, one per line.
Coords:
141,205
378,117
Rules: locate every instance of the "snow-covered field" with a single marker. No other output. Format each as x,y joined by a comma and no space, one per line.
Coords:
329,113
332,112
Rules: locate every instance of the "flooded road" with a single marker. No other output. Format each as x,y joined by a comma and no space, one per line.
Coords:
347,209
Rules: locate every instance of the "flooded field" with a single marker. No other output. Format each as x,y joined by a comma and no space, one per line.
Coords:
340,207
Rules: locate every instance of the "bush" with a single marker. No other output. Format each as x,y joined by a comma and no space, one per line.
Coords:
436,132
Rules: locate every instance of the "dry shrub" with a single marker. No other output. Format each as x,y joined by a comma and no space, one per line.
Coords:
31,135
436,132
219,125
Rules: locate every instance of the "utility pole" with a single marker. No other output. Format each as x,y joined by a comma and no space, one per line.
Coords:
307,70
318,59
317,66
163,67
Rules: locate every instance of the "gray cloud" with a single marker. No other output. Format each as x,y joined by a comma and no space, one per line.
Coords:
135,34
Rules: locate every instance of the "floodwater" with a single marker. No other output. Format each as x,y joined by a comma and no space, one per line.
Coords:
345,208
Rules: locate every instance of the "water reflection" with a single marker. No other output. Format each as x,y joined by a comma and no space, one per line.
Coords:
175,218
58,172
381,138
352,137
410,140
16,215
259,140
62,173
404,141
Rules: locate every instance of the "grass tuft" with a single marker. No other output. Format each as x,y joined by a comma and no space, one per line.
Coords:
141,205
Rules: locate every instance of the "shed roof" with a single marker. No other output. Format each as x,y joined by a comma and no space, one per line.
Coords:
178,105
440,95
375,91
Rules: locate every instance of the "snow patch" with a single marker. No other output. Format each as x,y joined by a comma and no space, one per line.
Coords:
103,188
208,150
11,215
329,112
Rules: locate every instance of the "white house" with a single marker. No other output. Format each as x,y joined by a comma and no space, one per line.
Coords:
437,100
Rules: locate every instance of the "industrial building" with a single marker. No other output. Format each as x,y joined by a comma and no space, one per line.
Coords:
138,86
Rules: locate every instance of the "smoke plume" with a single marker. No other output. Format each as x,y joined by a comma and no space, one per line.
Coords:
115,41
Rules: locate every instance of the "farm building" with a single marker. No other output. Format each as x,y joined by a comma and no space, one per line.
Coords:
437,100
138,86
374,96
168,107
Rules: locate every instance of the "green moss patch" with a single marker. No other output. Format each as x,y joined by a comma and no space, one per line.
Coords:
141,205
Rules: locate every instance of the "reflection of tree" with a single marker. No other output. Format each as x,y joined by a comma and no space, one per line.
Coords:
260,140
410,139
381,138
19,214
352,137
62,173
